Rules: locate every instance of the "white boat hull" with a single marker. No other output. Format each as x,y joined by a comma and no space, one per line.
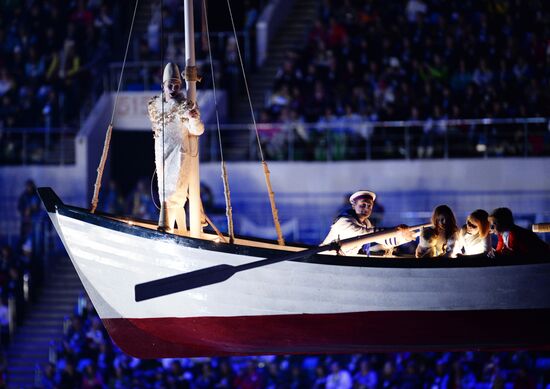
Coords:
327,304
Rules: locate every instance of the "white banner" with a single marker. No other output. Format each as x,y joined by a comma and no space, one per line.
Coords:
131,111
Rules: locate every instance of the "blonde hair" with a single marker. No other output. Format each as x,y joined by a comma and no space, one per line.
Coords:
481,218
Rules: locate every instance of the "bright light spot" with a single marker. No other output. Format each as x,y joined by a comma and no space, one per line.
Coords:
481,148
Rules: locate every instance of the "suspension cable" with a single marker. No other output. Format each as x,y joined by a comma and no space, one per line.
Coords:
106,144
162,106
271,194
226,191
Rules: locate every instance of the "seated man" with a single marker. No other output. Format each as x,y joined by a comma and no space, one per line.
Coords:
514,240
355,222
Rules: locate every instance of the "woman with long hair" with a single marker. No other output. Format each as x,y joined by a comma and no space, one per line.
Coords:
439,240
474,237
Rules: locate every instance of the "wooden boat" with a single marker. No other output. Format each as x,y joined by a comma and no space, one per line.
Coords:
318,303
180,295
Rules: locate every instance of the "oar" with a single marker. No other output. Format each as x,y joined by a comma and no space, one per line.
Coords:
219,273
541,227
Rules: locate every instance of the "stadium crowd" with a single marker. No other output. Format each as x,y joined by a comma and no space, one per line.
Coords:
53,56
86,358
416,60
21,264
363,63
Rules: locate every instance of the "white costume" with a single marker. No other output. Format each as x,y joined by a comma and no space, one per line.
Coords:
469,244
348,226
173,163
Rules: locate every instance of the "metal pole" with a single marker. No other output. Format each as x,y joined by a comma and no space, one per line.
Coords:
194,182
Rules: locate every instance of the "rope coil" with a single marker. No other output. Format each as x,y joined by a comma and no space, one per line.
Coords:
191,74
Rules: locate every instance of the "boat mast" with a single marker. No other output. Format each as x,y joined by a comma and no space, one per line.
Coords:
191,88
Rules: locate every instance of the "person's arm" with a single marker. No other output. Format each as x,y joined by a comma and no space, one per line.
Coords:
487,244
52,67
196,127
405,236
425,247
195,124
450,248
500,245
75,67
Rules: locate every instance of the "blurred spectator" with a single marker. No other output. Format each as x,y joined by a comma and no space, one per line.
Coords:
6,262
49,376
389,377
248,376
28,206
3,368
366,377
141,203
69,377
4,322
207,377
338,378
91,379
320,378
226,375
111,200
272,136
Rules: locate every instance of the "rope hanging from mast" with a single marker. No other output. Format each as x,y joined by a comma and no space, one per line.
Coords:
226,191
107,143
163,218
271,194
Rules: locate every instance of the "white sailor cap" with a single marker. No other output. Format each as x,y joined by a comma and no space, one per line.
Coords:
361,194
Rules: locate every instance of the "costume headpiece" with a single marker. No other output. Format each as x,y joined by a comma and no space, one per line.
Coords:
171,73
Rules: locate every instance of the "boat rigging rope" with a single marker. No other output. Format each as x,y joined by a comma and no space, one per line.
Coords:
220,235
226,191
106,144
163,220
274,211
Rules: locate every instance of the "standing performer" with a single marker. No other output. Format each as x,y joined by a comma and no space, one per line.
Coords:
181,121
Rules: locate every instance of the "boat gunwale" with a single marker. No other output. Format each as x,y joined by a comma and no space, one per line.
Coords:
54,204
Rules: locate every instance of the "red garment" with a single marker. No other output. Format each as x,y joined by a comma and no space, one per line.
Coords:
522,242
335,35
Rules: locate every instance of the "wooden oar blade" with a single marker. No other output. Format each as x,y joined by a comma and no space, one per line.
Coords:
183,282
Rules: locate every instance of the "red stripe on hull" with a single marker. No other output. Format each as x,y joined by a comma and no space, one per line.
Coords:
332,333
